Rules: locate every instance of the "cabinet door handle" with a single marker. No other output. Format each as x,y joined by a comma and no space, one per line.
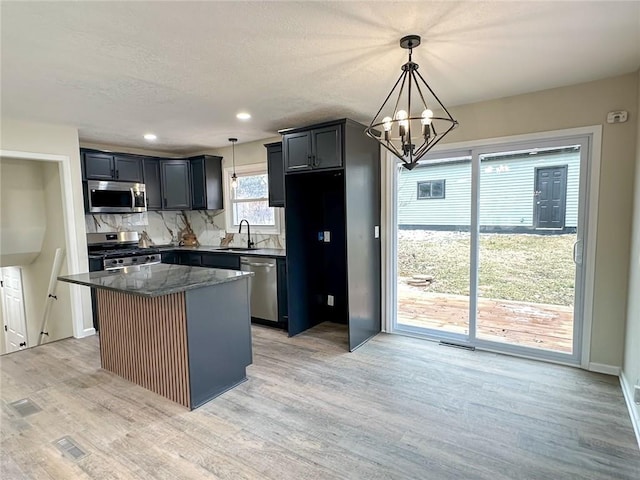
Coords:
295,167
315,162
165,202
117,173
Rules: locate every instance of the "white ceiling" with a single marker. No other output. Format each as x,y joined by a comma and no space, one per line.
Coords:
182,70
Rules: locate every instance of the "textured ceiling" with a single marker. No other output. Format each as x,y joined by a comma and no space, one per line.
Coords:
182,70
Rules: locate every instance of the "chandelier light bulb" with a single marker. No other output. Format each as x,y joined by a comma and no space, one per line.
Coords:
427,115
403,123
386,124
234,181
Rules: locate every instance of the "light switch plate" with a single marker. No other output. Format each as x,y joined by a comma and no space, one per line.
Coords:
636,394
330,300
376,231
327,236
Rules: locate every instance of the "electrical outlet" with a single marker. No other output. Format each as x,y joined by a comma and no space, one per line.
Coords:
636,394
327,236
330,300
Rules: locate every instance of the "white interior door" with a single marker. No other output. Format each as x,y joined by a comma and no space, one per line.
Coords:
15,322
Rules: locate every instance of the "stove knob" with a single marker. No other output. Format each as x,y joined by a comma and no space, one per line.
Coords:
120,261
134,260
151,257
114,262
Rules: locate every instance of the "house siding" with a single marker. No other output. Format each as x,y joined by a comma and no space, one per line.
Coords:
506,192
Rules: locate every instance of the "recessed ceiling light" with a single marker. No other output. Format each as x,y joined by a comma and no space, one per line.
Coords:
150,137
243,116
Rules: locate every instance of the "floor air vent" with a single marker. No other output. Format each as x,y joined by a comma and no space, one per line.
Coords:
457,345
25,407
69,448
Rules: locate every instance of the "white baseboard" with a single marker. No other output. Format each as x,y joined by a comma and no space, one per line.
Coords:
87,332
634,411
604,368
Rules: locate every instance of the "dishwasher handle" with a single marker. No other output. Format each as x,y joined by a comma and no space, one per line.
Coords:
246,261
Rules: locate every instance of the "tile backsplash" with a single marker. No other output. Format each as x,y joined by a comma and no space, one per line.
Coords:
163,228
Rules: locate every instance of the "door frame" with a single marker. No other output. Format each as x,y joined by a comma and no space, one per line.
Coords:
590,182
80,300
536,212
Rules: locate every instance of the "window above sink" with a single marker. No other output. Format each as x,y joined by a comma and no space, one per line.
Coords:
250,201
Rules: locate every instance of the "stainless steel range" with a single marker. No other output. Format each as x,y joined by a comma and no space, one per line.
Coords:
120,250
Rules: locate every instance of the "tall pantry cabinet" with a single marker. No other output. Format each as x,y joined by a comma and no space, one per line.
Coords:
332,193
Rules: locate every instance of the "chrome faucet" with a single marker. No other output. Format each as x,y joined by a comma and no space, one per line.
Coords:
249,242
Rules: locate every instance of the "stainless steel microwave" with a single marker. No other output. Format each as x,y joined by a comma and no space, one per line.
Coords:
116,197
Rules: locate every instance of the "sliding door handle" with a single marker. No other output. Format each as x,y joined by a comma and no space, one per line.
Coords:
577,258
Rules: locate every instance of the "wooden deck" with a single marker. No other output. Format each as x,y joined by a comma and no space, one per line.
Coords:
534,325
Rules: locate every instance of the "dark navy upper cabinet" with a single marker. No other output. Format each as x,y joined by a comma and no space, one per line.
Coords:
206,183
326,147
275,169
312,148
98,166
175,184
127,169
297,151
151,170
105,166
193,183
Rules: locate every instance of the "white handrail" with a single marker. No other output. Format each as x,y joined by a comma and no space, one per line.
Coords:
51,292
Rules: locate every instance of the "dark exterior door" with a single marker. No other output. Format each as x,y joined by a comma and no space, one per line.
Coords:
550,197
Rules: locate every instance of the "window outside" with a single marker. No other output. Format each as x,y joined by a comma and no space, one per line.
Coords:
250,201
431,189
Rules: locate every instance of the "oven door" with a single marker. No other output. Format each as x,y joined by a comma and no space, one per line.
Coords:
116,197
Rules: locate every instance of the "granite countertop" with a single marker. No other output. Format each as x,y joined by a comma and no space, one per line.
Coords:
155,280
258,252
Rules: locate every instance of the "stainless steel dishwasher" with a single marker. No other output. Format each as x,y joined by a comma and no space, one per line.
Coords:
263,286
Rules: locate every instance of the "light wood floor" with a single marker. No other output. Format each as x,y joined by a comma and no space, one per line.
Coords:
397,408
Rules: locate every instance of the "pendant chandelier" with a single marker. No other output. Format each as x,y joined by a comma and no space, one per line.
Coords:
234,177
409,127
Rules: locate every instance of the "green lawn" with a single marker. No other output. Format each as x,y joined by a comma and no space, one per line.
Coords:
522,267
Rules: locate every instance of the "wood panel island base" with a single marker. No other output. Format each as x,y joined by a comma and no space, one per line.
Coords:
181,332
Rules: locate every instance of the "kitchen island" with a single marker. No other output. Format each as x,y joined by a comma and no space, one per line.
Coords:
182,332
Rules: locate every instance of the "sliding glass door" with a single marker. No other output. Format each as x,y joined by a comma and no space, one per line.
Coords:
490,244
434,245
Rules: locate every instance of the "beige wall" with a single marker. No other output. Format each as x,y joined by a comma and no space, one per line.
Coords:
36,275
137,151
31,194
22,216
21,136
246,153
569,107
631,365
